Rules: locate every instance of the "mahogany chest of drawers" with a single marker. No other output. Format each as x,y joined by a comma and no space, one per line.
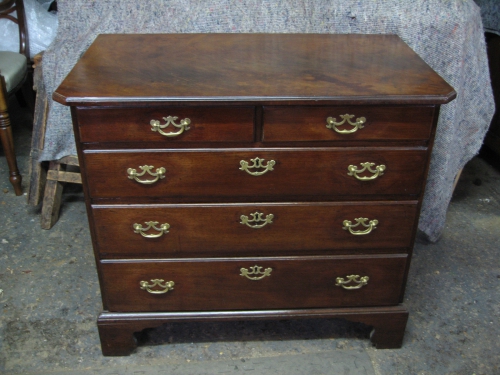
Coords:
252,176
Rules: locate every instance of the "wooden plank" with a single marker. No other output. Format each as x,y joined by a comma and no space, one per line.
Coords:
52,199
72,177
37,170
70,160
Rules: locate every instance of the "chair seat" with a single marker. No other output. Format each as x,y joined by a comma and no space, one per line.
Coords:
13,67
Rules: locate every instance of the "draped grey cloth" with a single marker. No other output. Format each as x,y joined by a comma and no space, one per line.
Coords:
490,13
447,34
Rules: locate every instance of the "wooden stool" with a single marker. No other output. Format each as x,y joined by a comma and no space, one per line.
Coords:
56,177
46,182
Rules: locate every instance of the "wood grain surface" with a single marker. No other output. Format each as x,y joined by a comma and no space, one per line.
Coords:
207,174
300,68
213,284
209,230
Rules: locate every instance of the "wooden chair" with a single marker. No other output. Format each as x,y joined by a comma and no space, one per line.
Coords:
13,74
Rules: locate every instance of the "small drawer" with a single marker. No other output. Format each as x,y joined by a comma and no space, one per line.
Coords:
246,174
252,229
166,124
348,123
252,283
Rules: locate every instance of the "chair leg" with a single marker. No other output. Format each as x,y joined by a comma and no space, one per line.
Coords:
8,145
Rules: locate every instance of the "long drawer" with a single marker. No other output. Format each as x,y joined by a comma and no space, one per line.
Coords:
347,123
252,229
166,124
252,283
269,173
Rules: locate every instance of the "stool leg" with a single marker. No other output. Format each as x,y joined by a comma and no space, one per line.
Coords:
52,198
8,144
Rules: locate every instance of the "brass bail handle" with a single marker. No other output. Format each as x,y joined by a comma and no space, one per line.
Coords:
170,120
355,281
257,164
348,225
258,219
151,225
331,123
355,172
158,174
165,286
255,270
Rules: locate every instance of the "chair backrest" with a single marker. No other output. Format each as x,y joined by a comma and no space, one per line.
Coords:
13,10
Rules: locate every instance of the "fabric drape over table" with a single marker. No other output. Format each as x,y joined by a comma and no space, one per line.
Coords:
447,34
490,14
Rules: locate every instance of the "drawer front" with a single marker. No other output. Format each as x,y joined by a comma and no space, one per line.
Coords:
245,230
275,175
204,124
245,283
331,123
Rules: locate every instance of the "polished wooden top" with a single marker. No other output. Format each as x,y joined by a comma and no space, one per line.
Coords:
252,68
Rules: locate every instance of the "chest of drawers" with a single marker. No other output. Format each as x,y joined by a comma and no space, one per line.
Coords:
232,176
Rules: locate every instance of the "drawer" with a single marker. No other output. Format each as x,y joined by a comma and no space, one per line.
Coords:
252,283
380,123
268,174
249,229
206,124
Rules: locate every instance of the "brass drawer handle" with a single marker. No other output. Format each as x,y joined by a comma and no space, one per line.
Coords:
256,217
372,224
138,228
377,171
184,125
159,174
332,124
169,285
257,163
255,270
352,278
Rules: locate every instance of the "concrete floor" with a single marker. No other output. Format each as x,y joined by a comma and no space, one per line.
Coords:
50,299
